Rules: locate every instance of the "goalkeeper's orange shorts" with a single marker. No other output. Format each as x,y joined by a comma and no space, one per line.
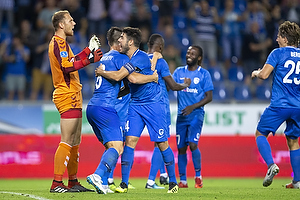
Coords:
67,101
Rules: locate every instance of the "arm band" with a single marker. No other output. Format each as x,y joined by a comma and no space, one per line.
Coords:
129,66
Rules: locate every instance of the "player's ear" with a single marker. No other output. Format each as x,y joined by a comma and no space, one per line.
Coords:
61,25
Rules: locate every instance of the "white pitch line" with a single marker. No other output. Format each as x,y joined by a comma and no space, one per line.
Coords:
25,195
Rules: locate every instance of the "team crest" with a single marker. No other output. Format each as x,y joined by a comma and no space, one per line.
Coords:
63,54
196,80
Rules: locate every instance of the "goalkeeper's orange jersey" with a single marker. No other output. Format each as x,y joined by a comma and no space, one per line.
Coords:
65,78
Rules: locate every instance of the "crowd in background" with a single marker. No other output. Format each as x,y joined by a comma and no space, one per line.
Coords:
236,36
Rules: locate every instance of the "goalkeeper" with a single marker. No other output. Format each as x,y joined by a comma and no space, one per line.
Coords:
68,99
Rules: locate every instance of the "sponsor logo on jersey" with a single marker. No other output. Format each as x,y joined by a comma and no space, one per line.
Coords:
191,90
63,54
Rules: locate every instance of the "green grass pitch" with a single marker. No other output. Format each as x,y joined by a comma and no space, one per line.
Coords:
213,189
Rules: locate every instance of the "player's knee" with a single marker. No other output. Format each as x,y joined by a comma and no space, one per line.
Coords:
193,146
182,150
131,141
119,150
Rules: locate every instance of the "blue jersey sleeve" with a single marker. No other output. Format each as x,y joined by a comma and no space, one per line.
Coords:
207,83
143,93
120,60
273,58
285,86
163,67
142,63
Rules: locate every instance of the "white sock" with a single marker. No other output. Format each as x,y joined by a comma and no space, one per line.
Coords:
110,180
150,182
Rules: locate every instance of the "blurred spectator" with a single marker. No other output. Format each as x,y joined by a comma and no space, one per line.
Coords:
256,13
252,51
205,19
41,73
172,55
291,11
97,19
44,20
15,59
120,12
166,11
24,11
272,25
141,15
7,11
30,39
231,33
170,36
145,37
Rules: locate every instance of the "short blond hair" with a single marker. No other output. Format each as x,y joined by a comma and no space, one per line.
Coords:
58,17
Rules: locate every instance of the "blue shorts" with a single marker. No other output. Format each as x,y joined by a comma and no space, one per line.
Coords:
272,118
168,120
150,115
188,128
105,123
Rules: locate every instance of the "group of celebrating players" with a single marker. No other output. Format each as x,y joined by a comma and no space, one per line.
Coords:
131,94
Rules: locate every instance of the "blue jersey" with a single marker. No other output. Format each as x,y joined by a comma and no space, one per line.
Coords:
121,107
201,82
143,93
163,70
286,78
106,90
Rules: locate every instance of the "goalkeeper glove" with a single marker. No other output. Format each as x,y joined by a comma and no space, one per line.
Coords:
94,43
96,56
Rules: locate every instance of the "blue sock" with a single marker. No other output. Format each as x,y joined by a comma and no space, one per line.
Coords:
295,162
182,163
108,160
126,163
168,158
196,156
104,179
111,174
155,163
264,149
162,168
